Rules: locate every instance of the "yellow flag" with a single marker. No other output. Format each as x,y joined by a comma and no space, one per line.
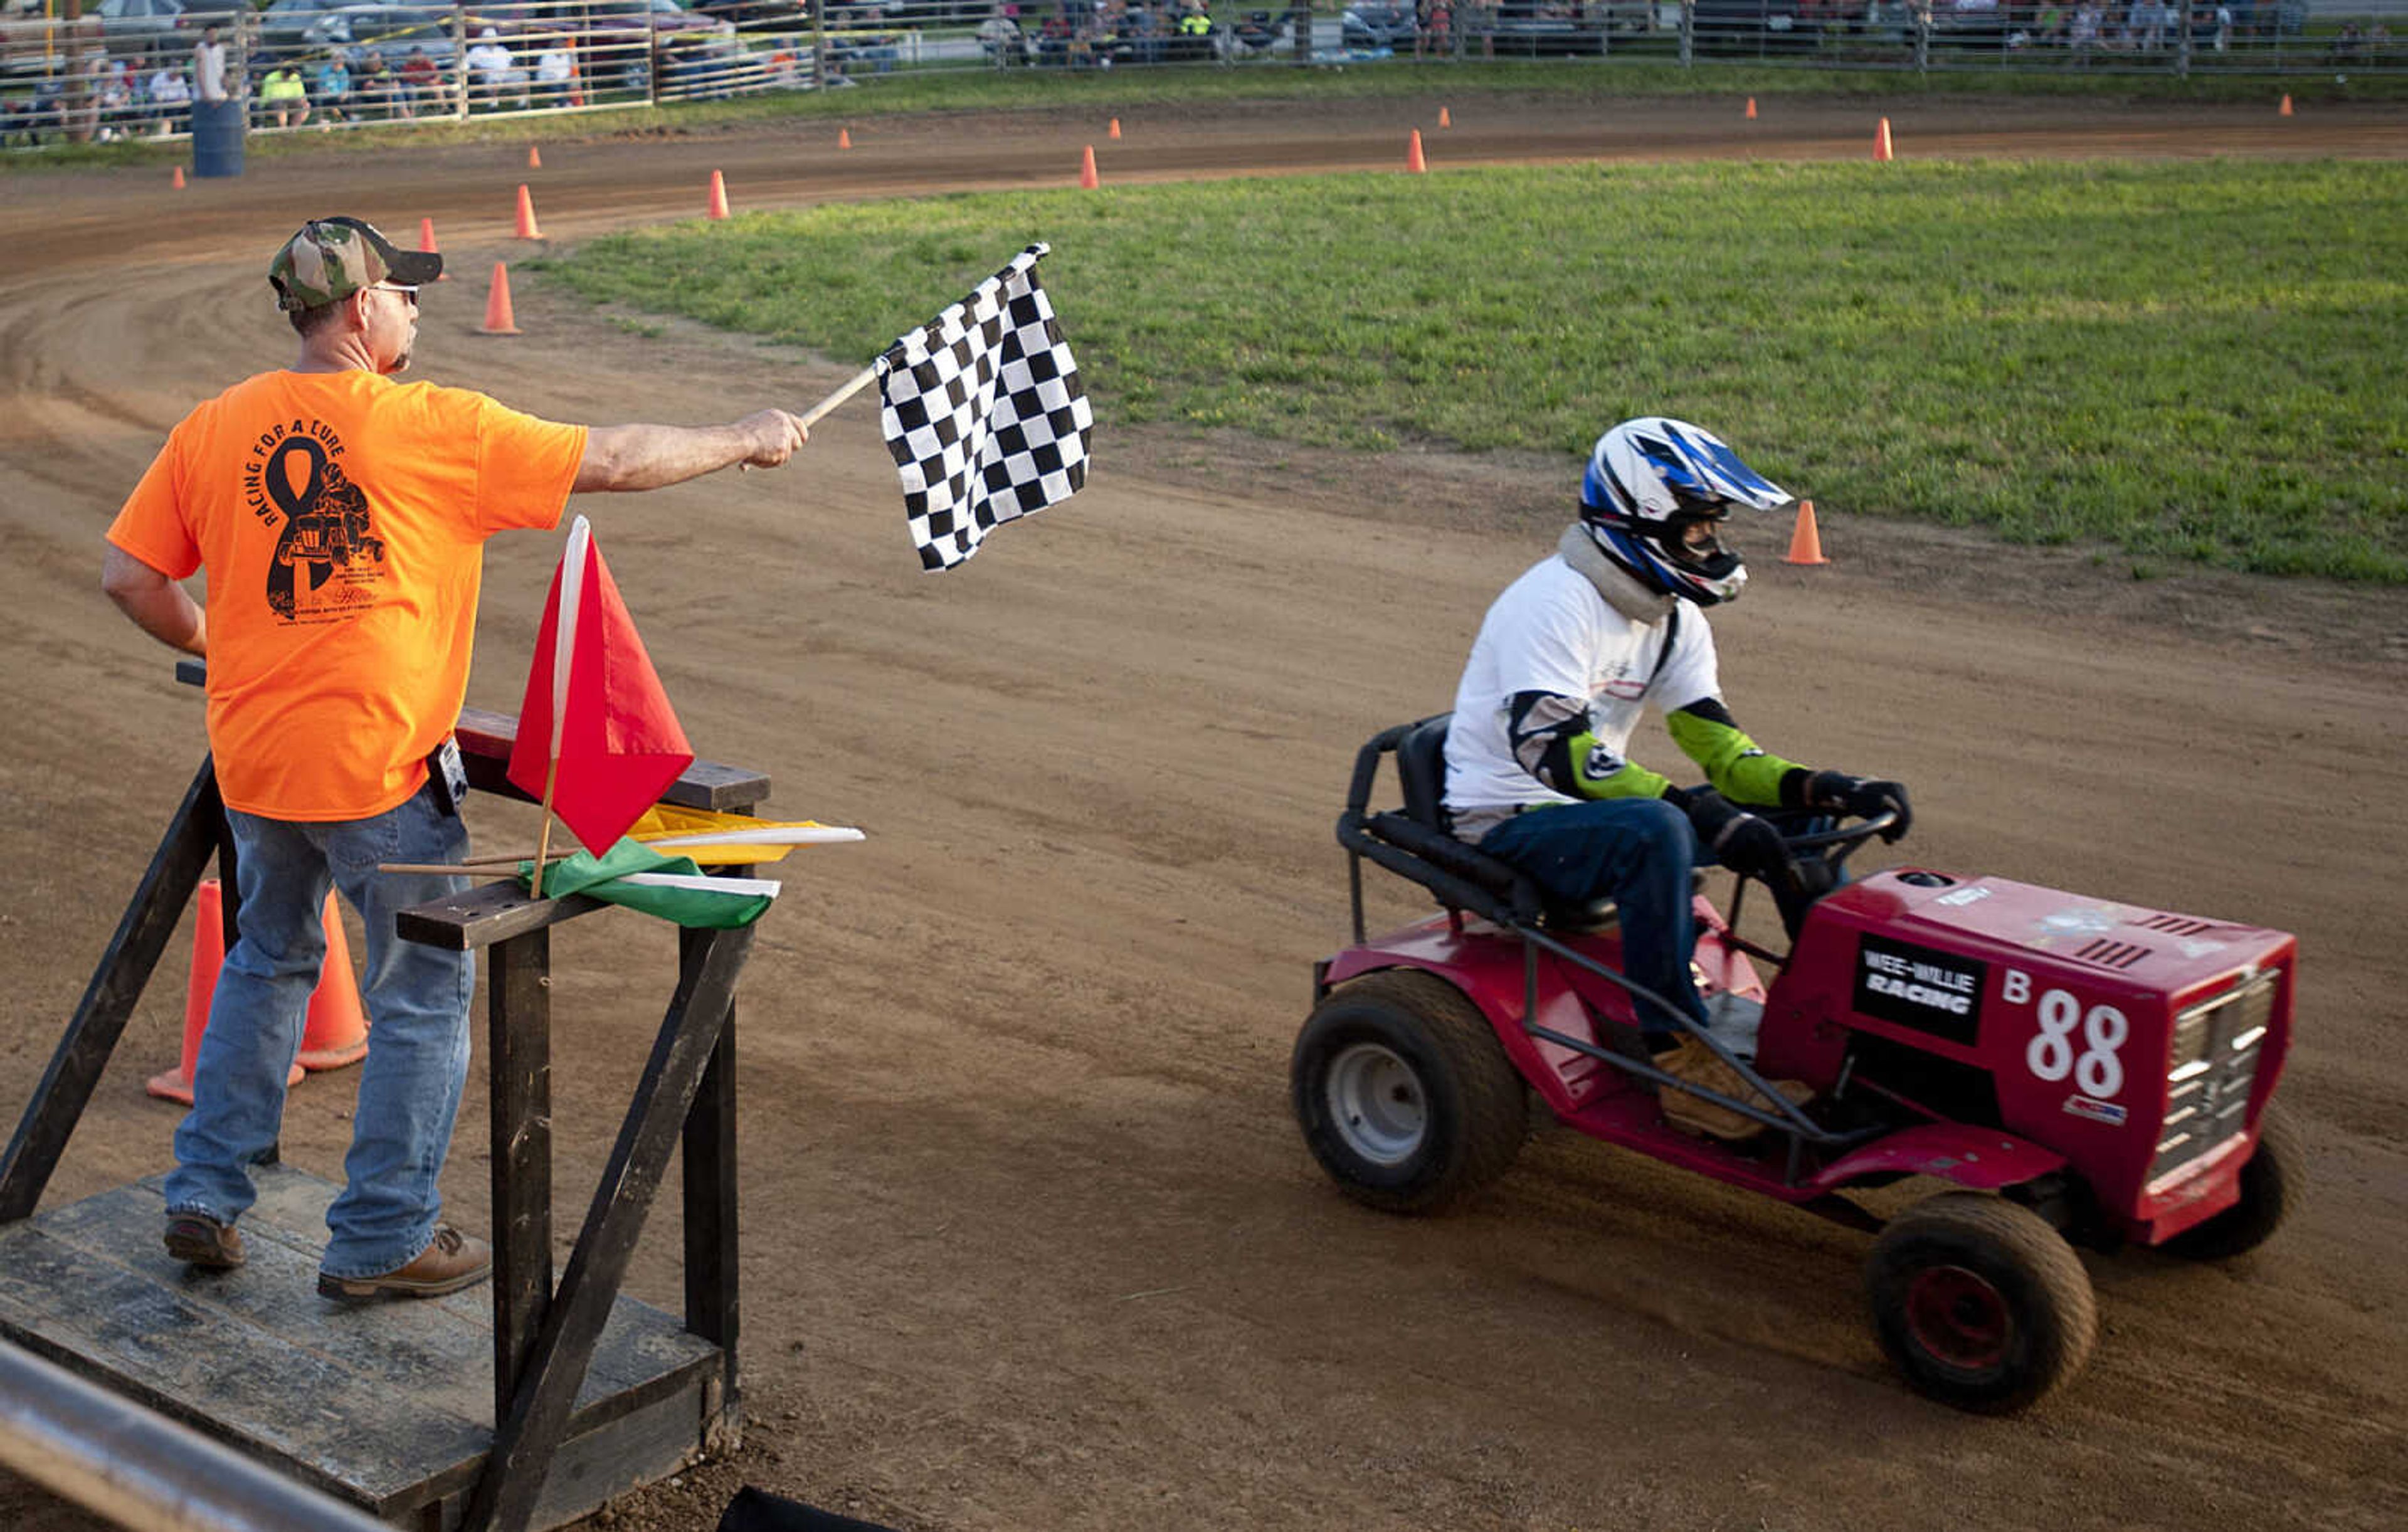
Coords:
663,821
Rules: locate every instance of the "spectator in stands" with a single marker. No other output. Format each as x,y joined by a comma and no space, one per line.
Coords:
421,84
1196,30
1434,36
555,69
1482,19
282,98
1141,24
2148,25
879,47
111,103
334,92
494,72
372,87
999,38
2223,27
2083,35
172,97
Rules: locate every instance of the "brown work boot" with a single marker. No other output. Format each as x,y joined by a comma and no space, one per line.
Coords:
197,1239
1693,1062
450,1262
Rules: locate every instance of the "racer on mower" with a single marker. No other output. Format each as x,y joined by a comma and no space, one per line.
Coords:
1565,662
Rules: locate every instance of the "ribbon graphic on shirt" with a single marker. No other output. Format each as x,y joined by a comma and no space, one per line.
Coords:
326,522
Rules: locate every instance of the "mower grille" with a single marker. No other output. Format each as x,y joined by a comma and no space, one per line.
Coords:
2212,1067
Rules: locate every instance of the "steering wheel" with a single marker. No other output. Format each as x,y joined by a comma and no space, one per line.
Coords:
1840,842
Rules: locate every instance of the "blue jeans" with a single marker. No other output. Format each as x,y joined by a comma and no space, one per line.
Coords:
1638,851
418,1014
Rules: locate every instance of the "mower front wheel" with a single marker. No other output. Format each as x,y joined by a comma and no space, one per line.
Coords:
1980,1303
1404,1094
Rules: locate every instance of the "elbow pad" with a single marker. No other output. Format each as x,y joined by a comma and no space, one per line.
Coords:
1553,740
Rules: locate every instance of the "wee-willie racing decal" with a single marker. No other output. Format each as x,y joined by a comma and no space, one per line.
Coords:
1931,991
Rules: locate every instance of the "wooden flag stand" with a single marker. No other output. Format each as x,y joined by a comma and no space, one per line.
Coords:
592,1393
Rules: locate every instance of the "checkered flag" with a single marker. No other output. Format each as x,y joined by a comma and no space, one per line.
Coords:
984,413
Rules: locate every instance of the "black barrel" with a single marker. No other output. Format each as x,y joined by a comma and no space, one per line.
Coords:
217,137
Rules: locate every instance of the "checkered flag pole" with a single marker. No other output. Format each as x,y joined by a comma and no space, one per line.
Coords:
984,413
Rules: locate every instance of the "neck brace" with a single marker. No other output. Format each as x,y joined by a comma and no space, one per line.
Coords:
1619,586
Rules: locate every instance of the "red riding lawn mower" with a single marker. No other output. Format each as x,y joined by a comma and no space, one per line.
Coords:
2084,1071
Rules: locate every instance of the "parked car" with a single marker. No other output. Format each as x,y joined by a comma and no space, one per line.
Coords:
1375,24
297,26
142,27
138,26
770,14
389,32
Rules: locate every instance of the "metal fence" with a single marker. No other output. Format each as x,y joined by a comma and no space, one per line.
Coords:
126,70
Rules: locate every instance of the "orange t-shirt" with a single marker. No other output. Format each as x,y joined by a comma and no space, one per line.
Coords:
342,517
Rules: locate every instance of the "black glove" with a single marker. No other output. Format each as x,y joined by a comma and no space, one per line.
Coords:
1740,840
1837,793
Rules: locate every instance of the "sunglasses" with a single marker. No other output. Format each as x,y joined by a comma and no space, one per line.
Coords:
410,293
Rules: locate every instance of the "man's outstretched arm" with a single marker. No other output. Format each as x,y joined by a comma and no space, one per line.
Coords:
647,457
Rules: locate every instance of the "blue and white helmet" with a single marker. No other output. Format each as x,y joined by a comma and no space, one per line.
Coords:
1655,490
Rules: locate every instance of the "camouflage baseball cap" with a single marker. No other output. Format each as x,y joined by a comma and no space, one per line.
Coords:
331,258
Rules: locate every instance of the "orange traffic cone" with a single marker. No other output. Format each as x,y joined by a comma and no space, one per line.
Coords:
179,178
426,243
1751,108
1881,141
535,158
1087,177
1414,163
1115,131
844,137
1443,119
337,1032
209,955
499,319
526,215
2285,110
1805,546
718,196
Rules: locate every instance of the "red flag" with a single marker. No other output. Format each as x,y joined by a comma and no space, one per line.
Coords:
593,698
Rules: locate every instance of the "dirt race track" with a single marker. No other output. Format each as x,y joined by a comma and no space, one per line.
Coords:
1030,1240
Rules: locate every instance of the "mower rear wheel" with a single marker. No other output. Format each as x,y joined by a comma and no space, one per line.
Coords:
1404,1094
2272,1185
1980,1303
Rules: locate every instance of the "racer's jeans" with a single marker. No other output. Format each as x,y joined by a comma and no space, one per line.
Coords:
1636,852
418,1013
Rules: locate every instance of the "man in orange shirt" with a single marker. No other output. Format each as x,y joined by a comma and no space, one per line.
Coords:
341,516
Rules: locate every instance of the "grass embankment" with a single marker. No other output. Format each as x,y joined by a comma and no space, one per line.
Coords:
1129,90
2185,361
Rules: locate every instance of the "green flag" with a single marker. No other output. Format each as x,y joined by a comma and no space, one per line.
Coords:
669,887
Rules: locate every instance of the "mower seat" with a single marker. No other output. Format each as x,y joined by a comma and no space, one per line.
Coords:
1421,772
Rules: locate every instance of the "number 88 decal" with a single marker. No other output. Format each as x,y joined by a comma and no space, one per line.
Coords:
2052,1054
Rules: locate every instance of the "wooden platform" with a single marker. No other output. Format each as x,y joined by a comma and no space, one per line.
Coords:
389,1406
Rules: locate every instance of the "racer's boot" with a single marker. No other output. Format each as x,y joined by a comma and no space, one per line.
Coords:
1692,1061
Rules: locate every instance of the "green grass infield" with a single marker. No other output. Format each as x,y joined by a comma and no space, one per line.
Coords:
2191,361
